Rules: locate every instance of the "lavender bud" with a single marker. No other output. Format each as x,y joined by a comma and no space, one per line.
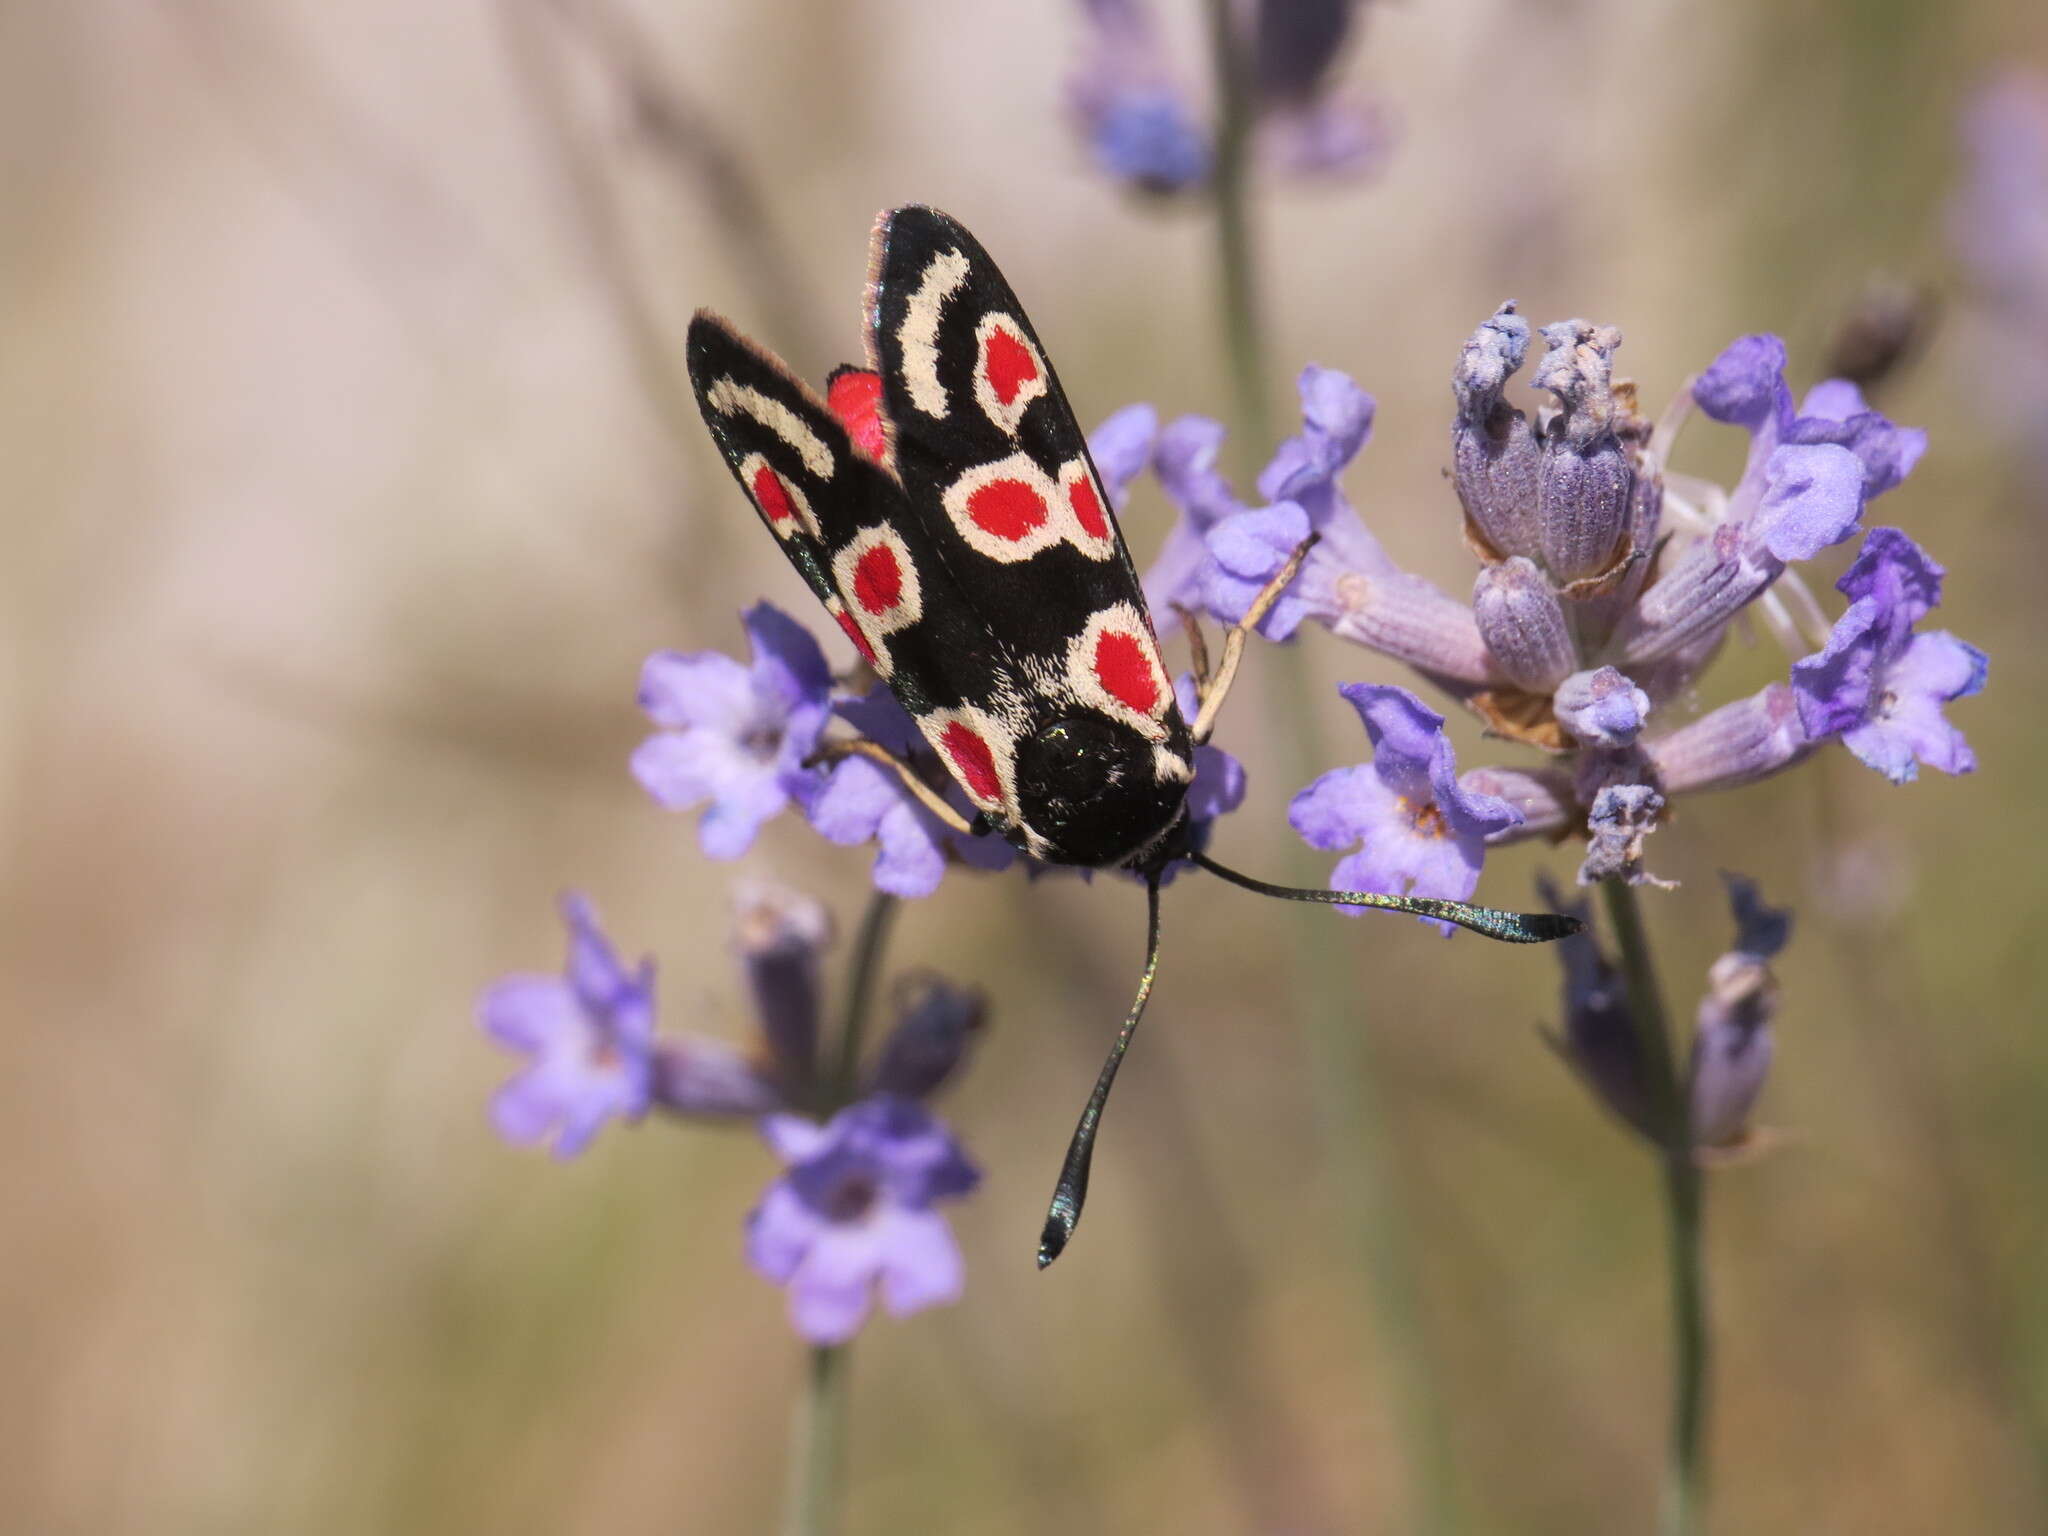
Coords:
1600,1041
1404,617
936,1023
1294,44
1715,580
1602,708
1732,1046
1495,457
1585,489
1523,624
780,935
1738,743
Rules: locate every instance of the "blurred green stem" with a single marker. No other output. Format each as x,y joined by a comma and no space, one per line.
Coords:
1236,266
816,1437
818,1432
1348,1116
1685,1478
860,992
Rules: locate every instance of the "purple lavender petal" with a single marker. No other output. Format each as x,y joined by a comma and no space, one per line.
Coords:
1121,448
1745,385
921,1264
705,689
1813,499
1909,727
789,668
1833,412
1898,574
588,1038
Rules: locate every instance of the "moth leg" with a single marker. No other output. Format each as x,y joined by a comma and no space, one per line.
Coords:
1234,638
875,752
1198,650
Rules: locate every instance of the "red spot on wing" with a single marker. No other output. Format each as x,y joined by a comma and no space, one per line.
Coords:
1124,668
1007,364
878,580
1088,508
855,396
860,641
972,760
771,496
1009,509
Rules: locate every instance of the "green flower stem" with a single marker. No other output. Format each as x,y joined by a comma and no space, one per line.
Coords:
816,1437
1349,1121
860,993
818,1429
1684,1197
1243,332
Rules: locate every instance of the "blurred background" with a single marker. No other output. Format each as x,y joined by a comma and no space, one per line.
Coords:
348,483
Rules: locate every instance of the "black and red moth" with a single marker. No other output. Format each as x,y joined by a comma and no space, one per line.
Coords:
944,509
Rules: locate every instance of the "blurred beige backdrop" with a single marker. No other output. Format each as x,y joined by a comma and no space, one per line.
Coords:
346,487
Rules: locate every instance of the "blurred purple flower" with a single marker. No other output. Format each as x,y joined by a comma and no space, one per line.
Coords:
1732,1043
863,802
1145,129
1599,1040
1879,686
1137,121
589,1034
733,735
1423,833
854,1214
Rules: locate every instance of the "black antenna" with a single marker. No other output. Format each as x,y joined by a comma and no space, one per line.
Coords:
1508,927
1072,1188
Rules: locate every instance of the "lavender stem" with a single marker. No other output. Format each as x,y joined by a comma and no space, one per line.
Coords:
817,1432
1685,1478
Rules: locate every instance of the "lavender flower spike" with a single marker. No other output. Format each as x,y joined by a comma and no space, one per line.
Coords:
1881,687
854,1215
589,1034
1423,833
736,736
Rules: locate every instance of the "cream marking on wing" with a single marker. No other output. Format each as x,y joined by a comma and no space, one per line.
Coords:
732,398
918,336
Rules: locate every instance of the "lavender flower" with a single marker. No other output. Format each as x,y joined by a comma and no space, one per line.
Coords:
1137,121
589,1034
1607,585
1422,831
736,736
1879,686
1143,127
854,1214
854,1210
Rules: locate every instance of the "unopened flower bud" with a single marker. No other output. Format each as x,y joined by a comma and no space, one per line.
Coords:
1732,1046
1585,488
1495,456
1602,708
1523,624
